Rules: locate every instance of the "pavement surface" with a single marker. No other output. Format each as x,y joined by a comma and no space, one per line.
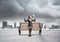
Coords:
11,35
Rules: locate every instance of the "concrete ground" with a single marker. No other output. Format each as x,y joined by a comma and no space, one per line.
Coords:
11,35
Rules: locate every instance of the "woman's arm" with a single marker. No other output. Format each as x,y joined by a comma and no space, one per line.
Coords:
34,19
25,20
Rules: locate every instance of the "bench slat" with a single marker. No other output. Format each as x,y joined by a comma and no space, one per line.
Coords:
24,26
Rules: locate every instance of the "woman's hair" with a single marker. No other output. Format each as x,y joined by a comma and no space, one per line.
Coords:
29,17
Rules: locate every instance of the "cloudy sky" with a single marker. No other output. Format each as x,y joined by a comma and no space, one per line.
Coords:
46,11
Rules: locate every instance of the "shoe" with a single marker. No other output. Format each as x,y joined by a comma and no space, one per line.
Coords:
29,35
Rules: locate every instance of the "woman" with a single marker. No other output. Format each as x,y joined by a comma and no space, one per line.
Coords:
29,20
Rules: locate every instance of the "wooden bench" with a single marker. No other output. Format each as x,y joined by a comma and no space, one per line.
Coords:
24,26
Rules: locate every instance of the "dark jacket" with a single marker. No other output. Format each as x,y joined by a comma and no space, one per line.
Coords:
29,22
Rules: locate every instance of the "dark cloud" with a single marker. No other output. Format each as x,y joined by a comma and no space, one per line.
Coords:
9,9
56,2
14,9
23,3
47,16
42,3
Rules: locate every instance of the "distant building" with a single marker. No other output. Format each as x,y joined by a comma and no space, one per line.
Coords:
4,24
15,25
45,27
41,24
55,27
9,26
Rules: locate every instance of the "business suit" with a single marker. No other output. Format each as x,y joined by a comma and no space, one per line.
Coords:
29,20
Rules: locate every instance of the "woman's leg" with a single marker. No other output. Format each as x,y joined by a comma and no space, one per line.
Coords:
30,30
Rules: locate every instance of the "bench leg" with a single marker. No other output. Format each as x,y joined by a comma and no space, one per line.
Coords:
40,31
19,32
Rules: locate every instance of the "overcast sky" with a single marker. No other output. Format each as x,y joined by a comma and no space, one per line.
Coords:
48,11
